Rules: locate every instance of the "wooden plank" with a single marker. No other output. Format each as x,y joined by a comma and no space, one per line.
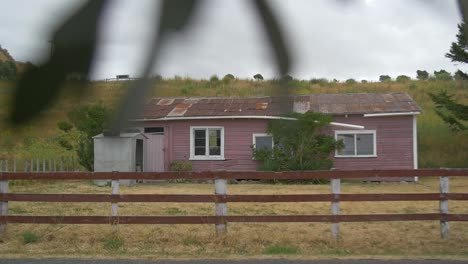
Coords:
3,204
444,207
202,198
111,220
212,175
335,206
222,219
221,209
115,191
114,205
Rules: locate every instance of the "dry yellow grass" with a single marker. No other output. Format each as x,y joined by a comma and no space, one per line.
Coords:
309,240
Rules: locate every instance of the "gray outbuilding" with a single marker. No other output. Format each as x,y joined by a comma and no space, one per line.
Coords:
122,153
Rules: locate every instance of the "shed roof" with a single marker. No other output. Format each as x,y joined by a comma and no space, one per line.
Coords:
336,104
121,135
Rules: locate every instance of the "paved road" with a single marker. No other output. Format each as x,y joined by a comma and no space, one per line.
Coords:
254,261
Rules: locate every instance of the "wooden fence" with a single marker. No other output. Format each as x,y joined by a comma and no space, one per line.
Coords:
39,165
221,198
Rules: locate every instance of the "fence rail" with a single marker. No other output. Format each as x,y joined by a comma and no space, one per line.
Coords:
221,198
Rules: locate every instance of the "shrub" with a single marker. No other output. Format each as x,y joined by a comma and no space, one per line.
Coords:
298,145
181,165
403,78
30,237
228,77
214,78
320,81
7,70
88,121
113,243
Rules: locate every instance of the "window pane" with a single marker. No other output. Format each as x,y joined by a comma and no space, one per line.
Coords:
200,142
263,142
215,141
365,144
348,140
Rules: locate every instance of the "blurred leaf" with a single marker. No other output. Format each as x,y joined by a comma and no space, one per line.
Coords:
275,36
175,16
74,45
463,6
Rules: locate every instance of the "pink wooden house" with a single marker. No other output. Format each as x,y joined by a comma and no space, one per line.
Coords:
379,130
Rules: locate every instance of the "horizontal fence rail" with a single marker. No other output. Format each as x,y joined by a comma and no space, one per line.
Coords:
202,198
221,198
235,175
231,219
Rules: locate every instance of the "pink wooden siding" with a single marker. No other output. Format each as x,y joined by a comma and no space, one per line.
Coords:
237,148
394,142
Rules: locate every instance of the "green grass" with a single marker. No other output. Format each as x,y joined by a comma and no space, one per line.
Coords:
438,146
281,250
114,243
30,237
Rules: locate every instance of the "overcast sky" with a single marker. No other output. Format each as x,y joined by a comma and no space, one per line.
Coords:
359,39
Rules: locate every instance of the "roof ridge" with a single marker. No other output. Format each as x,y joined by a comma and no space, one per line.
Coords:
267,96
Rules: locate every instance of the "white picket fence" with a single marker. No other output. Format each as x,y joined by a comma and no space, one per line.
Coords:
62,164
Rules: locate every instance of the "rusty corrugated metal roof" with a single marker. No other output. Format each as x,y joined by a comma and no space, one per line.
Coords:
336,104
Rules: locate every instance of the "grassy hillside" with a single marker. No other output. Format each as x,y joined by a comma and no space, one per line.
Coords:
438,147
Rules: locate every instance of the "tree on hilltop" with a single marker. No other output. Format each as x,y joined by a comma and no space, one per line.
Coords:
422,75
443,75
384,78
258,77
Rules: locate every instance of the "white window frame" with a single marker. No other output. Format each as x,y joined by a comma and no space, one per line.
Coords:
355,132
254,141
254,135
207,156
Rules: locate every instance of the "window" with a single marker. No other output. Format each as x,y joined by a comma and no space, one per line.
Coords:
357,143
206,143
262,141
155,130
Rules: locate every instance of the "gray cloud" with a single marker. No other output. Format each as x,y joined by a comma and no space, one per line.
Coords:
331,39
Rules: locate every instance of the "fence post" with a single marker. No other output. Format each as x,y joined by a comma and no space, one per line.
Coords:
14,165
335,206
43,165
6,165
114,206
221,208
3,204
443,206
32,165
